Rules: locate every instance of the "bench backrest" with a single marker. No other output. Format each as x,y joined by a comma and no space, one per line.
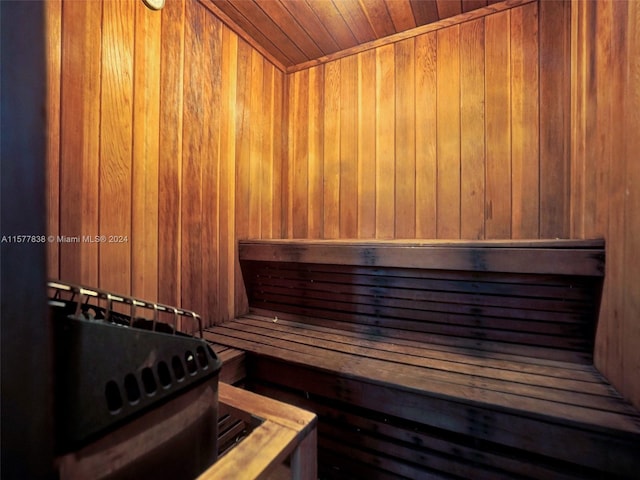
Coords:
535,298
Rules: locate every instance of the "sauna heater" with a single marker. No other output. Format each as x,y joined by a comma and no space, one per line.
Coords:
134,396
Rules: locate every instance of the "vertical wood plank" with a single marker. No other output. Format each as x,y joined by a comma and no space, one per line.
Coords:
191,216
366,145
597,202
228,193
385,142
579,78
53,19
331,149
426,135
300,161
146,107
116,140
348,203
316,144
498,126
405,151
472,130
228,174
605,87
525,201
555,94
631,241
243,140
287,171
80,139
615,235
211,156
448,141
169,163
257,158
243,119
605,175
265,155
591,111
280,155
598,163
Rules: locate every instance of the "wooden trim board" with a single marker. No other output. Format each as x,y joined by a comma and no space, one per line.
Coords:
587,257
286,430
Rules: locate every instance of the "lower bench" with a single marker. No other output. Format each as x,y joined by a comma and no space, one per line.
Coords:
440,360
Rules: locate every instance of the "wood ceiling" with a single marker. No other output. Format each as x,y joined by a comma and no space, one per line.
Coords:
295,33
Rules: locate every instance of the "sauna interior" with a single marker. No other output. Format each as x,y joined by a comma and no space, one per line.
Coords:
181,133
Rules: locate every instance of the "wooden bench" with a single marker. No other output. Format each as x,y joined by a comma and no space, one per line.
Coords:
439,359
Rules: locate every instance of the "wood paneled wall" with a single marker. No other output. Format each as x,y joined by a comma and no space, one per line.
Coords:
605,193
456,133
159,122
168,129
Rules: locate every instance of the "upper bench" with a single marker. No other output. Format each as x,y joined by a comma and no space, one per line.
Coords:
531,297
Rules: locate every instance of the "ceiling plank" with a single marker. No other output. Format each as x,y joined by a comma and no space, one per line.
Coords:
449,8
309,21
379,18
281,16
424,11
334,23
468,5
354,15
268,30
401,14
